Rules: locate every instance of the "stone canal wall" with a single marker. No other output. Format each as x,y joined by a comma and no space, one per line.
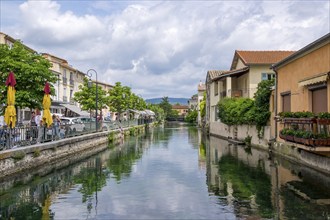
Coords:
310,159
18,160
293,153
240,133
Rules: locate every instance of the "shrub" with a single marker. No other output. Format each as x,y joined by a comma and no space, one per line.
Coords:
36,153
238,111
18,155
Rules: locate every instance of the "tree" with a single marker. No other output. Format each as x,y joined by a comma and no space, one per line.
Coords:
166,106
86,97
191,116
159,112
119,98
31,72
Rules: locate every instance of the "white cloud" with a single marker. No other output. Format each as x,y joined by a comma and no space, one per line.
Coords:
163,48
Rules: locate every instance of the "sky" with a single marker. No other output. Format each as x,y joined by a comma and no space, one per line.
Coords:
161,48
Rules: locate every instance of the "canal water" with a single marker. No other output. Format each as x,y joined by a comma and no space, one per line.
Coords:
169,173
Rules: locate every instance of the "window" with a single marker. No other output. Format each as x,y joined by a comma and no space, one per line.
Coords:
286,101
267,76
216,112
319,98
64,73
216,86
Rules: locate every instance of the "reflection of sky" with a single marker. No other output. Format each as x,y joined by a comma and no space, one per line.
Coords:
166,183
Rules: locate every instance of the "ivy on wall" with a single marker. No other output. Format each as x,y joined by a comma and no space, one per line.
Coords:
240,111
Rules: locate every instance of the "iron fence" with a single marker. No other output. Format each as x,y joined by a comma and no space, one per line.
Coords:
24,135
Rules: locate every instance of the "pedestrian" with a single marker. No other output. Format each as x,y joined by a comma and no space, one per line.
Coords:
40,127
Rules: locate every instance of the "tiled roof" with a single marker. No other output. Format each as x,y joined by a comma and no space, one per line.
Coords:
235,72
179,107
260,57
215,73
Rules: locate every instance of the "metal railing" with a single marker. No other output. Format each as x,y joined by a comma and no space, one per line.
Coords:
25,135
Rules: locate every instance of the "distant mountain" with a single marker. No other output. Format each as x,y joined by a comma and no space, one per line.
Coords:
172,101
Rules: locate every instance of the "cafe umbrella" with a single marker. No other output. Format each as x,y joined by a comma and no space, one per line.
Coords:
10,112
47,117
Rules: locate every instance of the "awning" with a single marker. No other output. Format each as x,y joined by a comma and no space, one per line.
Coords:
313,80
135,111
75,109
149,112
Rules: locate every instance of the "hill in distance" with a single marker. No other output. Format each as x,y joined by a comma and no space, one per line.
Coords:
172,101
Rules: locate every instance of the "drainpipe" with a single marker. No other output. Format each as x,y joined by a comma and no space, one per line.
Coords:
275,104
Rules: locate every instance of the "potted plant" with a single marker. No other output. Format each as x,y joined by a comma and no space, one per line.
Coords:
283,133
290,135
321,139
298,136
308,138
323,118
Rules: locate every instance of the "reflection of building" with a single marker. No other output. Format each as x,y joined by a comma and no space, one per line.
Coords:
266,188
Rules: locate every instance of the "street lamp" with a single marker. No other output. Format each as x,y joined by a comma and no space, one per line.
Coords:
89,74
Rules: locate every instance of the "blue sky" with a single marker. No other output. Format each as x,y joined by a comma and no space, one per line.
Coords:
161,48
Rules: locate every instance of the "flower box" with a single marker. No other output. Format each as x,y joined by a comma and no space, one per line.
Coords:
299,120
321,142
289,138
299,140
323,121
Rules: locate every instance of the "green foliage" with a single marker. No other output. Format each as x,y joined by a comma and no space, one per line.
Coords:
86,96
119,98
166,106
31,72
18,155
202,106
248,182
236,111
159,112
173,114
239,111
324,115
303,114
191,117
247,140
36,153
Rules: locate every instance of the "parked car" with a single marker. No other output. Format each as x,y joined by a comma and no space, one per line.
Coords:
74,124
90,123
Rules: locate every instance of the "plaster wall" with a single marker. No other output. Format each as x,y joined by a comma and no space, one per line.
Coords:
309,65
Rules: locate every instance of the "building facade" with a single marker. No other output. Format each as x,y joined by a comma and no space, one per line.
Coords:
303,80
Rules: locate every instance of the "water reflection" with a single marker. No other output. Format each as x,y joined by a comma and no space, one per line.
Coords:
254,185
170,173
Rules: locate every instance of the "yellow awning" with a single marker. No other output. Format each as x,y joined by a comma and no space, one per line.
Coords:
313,80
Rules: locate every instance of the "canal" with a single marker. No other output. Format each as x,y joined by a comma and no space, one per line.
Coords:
169,173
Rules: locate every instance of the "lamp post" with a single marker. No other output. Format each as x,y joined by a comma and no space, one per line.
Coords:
89,74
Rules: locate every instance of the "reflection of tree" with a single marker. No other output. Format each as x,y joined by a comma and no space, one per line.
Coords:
161,137
121,161
193,136
247,183
91,178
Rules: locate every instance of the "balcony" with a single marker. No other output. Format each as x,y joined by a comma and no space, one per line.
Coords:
65,80
223,94
236,93
306,129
